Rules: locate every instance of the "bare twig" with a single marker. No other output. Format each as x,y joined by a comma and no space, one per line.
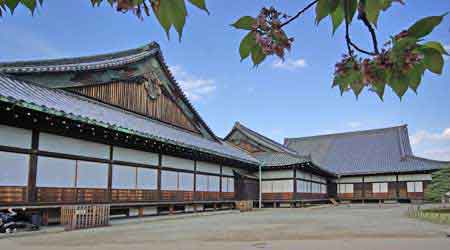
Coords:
299,13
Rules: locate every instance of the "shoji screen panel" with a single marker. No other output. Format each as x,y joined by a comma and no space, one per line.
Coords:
185,181
13,169
213,183
147,178
55,172
201,183
124,177
169,180
92,175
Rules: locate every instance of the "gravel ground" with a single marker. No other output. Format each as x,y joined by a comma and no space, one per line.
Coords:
343,227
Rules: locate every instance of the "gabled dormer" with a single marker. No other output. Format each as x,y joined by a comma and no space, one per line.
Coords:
137,80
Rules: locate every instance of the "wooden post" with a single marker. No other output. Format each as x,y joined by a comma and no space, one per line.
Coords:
158,180
295,183
31,191
397,187
45,217
110,174
141,212
220,184
195,181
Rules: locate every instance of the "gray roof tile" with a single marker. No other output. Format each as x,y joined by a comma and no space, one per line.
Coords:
362,152
76,107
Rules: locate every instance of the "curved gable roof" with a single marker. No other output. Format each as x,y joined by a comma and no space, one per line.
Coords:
59,73
363,152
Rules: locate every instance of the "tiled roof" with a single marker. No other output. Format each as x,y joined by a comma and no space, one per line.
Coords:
261,139
96,62
363,152
72,106
277,159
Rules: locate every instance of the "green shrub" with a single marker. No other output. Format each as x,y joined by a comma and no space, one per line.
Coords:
440,185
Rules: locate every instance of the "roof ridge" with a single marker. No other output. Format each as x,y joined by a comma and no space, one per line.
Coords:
425,159
261,136
367,131
80,59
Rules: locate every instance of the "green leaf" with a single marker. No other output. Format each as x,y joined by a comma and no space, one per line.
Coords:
351,8
163,18
177,15
415,77
257,55
200,4
247,44
244,23
437,46
398,83
333,5
433,60
322,10
30,4
379,89
172,12
425,26
12,4
373,9
337,17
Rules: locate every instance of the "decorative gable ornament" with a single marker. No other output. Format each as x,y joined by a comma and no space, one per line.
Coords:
153,88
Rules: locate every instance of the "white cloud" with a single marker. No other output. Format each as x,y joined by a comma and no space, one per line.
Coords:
354,124
290,64
194,87
442,154
423,136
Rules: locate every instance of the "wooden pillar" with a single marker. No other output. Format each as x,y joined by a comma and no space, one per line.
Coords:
220,184
31,191
295,182
158,179
45,217
397,187
195,181
363,195
110,172
141,212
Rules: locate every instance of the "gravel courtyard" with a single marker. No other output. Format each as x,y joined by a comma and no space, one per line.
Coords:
343,227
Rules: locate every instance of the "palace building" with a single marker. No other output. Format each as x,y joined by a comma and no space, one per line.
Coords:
117,129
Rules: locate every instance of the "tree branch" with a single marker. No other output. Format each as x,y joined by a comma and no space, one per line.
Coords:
363,17
299,13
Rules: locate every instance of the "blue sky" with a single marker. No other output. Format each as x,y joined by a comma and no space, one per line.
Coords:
279,100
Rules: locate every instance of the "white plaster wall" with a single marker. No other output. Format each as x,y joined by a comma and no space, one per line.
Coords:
136,156
15,137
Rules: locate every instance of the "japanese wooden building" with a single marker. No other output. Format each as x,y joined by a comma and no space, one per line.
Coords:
117,129
374,164
113,128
